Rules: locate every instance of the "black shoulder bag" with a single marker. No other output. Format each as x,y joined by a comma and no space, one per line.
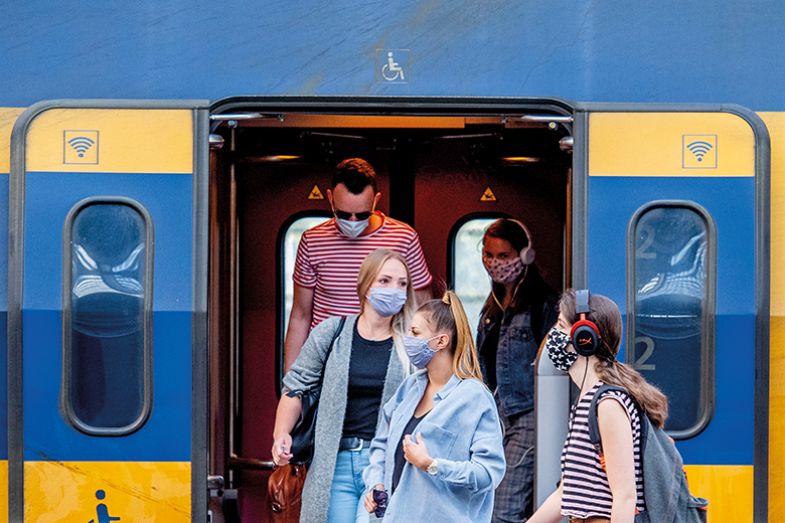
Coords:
304,431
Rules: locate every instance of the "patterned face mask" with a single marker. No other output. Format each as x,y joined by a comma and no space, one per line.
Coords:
503,271
556,345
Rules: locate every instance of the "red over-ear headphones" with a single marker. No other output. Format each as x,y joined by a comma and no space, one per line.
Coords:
584,334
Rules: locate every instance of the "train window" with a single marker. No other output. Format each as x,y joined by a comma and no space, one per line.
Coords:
469,279
291,240
672,265
107,292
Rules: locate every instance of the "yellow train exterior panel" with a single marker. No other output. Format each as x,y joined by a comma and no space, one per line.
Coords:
83,491
111,141
8,116
670,144
728,489
775,122
3,490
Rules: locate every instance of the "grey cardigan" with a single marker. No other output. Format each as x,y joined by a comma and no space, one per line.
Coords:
304,375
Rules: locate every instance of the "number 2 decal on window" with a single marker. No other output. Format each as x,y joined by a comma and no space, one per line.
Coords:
639,363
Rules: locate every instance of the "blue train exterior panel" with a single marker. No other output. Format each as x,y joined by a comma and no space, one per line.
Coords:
728,438
166,434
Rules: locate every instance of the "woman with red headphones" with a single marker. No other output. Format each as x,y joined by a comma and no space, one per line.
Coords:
594,487
517,315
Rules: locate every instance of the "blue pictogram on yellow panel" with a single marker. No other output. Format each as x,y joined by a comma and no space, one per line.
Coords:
102,511
699,151
80,147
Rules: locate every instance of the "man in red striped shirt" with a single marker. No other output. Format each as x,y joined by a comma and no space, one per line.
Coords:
329,255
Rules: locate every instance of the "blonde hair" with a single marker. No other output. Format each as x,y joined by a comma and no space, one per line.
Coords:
448,315
606,316
369,271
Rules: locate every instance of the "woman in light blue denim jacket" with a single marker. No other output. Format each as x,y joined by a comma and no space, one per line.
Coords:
438,448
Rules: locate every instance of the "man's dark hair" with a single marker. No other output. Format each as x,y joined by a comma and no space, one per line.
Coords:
356,174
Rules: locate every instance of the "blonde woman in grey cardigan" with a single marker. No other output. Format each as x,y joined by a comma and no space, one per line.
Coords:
363,370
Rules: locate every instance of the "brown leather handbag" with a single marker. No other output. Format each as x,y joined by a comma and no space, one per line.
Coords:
285,490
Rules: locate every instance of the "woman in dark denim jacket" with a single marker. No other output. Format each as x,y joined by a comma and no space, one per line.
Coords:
517,315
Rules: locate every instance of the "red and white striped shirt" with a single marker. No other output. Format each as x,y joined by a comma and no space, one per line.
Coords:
329,262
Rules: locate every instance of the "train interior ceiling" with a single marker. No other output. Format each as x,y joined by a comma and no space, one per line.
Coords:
448,177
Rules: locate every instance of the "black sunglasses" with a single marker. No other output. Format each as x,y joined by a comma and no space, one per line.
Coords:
343,215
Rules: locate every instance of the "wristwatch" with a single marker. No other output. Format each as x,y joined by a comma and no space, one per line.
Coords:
433,468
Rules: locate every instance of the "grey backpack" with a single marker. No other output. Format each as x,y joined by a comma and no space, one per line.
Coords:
665,491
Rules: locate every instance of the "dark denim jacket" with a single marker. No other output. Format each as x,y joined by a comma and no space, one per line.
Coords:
515,354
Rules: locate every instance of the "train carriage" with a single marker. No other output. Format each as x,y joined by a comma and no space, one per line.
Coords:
149,244
148,274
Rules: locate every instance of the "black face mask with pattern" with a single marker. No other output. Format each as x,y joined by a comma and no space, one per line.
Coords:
556,344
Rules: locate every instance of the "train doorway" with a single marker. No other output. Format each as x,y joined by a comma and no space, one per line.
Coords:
446,171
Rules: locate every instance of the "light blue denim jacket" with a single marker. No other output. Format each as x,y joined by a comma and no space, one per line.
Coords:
462,432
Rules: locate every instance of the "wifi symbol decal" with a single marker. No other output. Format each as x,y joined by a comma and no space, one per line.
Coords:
81,144
80,147
699,149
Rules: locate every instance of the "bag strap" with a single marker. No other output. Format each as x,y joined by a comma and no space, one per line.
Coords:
338,329
337,332
594,426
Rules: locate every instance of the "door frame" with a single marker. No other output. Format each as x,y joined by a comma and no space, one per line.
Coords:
199,306
239,108
762,252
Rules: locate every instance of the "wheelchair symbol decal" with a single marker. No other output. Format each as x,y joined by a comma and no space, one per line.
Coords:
392,71
102,511
393,65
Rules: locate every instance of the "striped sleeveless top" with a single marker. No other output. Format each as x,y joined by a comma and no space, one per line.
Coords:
586,492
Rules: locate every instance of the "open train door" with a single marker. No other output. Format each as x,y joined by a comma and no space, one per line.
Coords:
670,220
107,312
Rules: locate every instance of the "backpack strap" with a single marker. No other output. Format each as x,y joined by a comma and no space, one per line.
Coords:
594,426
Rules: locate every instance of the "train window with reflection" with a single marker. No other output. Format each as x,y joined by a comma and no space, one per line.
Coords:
291,240
469,279
671,337
106,313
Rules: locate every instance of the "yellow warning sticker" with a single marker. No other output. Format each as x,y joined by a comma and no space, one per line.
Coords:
487,195
315,194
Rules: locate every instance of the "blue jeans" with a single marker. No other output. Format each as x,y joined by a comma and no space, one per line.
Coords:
347,495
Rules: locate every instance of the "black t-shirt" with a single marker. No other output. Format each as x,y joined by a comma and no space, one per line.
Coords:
400,461
367,370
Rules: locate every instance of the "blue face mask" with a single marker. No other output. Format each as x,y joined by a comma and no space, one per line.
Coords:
352,229
419,352
387,301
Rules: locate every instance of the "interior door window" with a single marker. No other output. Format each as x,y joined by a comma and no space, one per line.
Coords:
469,279
291,240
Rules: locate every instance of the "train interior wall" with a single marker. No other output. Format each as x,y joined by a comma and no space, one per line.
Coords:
266,177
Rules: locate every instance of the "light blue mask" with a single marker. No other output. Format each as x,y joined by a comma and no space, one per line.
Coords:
352,229
420,354
387,301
